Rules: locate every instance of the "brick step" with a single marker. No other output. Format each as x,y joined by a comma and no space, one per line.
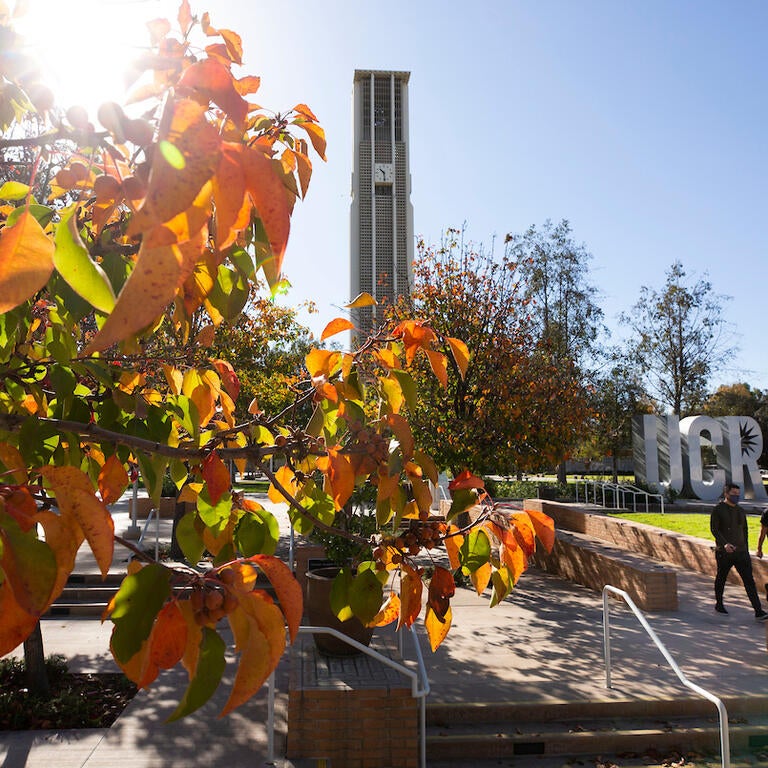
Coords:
589,737
442,714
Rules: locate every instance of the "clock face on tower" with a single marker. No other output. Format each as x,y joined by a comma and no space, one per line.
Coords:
384,173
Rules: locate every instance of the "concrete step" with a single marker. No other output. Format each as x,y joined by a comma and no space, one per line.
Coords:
492,731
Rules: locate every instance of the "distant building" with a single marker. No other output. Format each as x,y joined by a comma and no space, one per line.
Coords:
382,242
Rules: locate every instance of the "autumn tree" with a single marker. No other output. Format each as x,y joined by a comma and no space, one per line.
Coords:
740,399
152,222
517,407
679,336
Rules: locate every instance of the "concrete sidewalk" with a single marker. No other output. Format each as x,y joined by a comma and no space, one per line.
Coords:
545,643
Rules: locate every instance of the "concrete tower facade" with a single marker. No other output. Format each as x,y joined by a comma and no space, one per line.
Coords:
382,242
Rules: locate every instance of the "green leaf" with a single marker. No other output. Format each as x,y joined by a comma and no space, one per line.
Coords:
214,516
137,603
42,213
475,550
340,595
210,668
190,540
75,265
13,190
463,499
365,595
30,563
172,155
257,533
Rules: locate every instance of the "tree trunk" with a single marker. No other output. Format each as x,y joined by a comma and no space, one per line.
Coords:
561,476
175,552
34,662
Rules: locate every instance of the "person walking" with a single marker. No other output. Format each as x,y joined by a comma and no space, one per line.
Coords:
728,524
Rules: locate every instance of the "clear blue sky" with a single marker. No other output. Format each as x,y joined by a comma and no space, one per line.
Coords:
642,123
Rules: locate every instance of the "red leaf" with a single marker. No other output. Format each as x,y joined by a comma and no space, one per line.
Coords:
228,378
216,476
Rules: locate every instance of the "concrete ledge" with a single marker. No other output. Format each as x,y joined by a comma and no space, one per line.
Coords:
652,586
687,552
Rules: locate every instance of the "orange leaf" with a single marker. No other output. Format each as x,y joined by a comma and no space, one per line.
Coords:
465,480
229,378
216,476
17,624
286,587
460,354
212,80
402,431
259,634
439,366
64,539
441,589
75,497
524,533
22,507
336,326
233,209
168,638
265,186
185,159
284,475
14,463
437,628
322,362
544,526
316,135
147,292
113,480
453,545
26,261
389,612
339,476
411,588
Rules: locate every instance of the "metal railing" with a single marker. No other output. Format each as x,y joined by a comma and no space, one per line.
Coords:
604,492
419,684
725,751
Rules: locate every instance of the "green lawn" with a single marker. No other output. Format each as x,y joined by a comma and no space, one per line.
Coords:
691,523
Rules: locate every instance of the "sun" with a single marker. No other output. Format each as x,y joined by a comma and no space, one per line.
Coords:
84,47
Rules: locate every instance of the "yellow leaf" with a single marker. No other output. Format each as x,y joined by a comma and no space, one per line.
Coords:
481,577
402,431
26,261
460,354
437,629
337,325
389,612
361,300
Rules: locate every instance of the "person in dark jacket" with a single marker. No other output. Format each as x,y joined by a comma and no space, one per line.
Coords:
728,524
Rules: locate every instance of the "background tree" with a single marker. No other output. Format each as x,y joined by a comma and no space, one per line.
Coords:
565,317
562,305
741,400
679,336
517,407
112,291
617,396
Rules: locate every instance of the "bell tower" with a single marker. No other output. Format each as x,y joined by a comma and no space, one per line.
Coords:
382,241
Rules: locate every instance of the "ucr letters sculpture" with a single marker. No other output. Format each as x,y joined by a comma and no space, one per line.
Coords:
667,454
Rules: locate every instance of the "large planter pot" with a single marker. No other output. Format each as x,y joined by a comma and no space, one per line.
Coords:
319,613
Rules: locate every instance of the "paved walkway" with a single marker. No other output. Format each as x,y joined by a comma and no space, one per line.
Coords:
542,644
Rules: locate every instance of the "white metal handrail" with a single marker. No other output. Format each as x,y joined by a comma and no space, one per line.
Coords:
419,685
619,493
725,750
